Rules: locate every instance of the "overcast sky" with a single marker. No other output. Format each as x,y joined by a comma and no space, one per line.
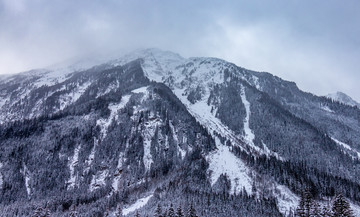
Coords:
314,43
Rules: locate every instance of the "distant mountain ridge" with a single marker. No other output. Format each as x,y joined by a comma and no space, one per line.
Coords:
153,127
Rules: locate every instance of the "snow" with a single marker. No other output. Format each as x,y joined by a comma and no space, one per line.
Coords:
111,87
156,63
72,97
25,172
256,82
187,75
326,108
182,152
53,77
98,180
346,146
202,113
355,209
73,162
91,156
268,152
148,133
114,108
137,205
286,199
140,90
343,98
223,161
115,183
249,135
60,72
1,176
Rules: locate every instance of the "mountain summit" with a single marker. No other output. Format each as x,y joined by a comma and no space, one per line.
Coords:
343,98
152,129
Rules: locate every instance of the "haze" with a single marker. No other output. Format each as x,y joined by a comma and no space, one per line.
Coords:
314,43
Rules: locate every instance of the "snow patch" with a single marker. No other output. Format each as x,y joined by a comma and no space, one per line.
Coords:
91,156
114,108
72,97
115,183
25,172
256,82
181,152
223,161
73,162
1,176
286,200
202,113
140,90
326,108
355,209
98,180
148,133
137,205
347,147
249,135
268,152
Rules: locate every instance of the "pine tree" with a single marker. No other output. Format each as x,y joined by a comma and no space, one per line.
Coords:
38,212
171,211
179,212
47,212
341,207
137,214
192,211
315,209
158,211
304,208
326,212
73,213
118,211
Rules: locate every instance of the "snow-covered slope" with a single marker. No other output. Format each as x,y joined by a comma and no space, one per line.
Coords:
343,98
153,118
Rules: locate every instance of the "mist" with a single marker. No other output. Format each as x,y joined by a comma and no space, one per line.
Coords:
315,44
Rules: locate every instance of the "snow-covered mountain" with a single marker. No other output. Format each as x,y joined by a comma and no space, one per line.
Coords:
153,128
343,98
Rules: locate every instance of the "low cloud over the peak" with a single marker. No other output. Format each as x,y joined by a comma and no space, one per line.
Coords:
316,44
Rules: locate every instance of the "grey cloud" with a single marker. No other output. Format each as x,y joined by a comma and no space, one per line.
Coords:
316,44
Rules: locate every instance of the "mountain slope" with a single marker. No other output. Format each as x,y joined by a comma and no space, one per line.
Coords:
153,127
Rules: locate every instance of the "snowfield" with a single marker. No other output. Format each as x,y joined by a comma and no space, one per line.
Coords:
137,205
222,161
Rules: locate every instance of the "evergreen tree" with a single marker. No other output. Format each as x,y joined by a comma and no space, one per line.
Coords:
38,212
171,211
179,212
315,209
137,214
192,211
341,208
118,211
304,208
73,213
158,211
47,212
326,211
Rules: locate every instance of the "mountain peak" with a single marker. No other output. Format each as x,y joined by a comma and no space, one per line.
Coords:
343,98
